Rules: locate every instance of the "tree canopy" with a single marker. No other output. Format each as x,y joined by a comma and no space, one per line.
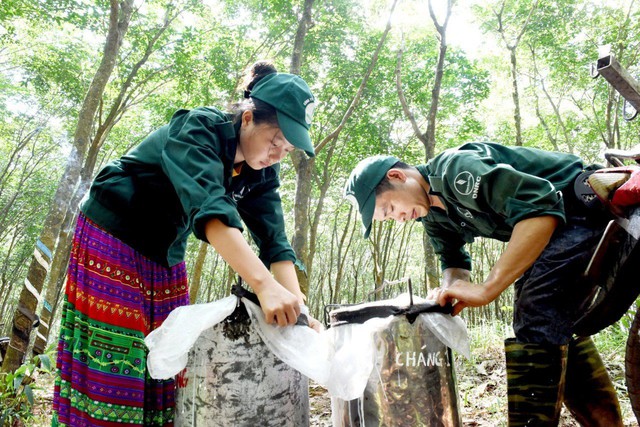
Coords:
513,72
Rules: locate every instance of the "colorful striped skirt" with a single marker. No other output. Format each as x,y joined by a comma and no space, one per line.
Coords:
114,297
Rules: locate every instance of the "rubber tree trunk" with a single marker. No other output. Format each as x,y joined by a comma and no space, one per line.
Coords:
24,316
302,165
196,276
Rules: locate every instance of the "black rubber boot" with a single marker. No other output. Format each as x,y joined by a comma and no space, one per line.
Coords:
535,382
589,394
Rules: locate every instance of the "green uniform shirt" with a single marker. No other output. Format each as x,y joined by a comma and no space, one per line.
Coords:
178,179
487,188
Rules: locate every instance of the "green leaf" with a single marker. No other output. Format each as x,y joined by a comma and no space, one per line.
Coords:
17,381
46,361
22,369
6,380
29,393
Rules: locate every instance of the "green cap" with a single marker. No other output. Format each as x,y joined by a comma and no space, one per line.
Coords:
361,186
294,104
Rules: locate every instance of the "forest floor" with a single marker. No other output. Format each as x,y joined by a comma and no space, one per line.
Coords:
483,397
481,382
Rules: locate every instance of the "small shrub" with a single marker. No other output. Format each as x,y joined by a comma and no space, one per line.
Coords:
16,391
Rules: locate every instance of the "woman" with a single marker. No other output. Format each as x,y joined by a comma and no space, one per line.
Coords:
201,173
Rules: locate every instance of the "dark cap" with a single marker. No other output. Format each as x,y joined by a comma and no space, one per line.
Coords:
361,186
294,104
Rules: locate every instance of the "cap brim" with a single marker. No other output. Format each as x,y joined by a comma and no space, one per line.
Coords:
296,134
366,212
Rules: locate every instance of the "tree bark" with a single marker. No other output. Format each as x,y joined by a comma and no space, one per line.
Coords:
512,46
304,167
342,248
430,134
24,316
119,106
517,118
196,275
55,282
428,138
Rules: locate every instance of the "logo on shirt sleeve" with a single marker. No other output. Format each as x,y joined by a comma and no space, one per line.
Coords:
465,184
239,193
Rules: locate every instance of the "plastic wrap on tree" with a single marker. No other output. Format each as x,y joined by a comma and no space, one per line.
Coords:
413,377
233,379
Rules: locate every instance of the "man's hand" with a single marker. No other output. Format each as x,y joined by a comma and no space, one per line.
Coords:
462,294
315,324
529,238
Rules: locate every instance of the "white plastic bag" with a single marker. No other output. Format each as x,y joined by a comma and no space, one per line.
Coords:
353,357
413,374
169,344
340,358
355,351
299,346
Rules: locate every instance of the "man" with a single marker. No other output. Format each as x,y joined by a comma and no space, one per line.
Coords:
525,197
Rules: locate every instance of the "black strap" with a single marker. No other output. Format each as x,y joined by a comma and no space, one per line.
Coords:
241,292
411,312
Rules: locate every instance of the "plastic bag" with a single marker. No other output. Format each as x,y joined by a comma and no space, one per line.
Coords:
340,359
413,376
355,350
353,357
169,344
300,347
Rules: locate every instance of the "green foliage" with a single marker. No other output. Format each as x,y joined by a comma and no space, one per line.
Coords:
49,51
17,389
624,324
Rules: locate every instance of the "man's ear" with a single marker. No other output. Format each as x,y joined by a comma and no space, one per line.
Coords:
396,175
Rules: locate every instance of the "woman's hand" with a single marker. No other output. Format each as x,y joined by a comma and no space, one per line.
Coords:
284,311
278,304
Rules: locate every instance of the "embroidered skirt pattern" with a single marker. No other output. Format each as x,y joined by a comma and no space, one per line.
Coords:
114,297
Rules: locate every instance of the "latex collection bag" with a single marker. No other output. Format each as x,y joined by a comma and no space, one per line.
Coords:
339,359
411,377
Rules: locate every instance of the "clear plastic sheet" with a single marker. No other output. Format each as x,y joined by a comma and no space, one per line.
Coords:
233,379
300,347
412,382
340,358
169,344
